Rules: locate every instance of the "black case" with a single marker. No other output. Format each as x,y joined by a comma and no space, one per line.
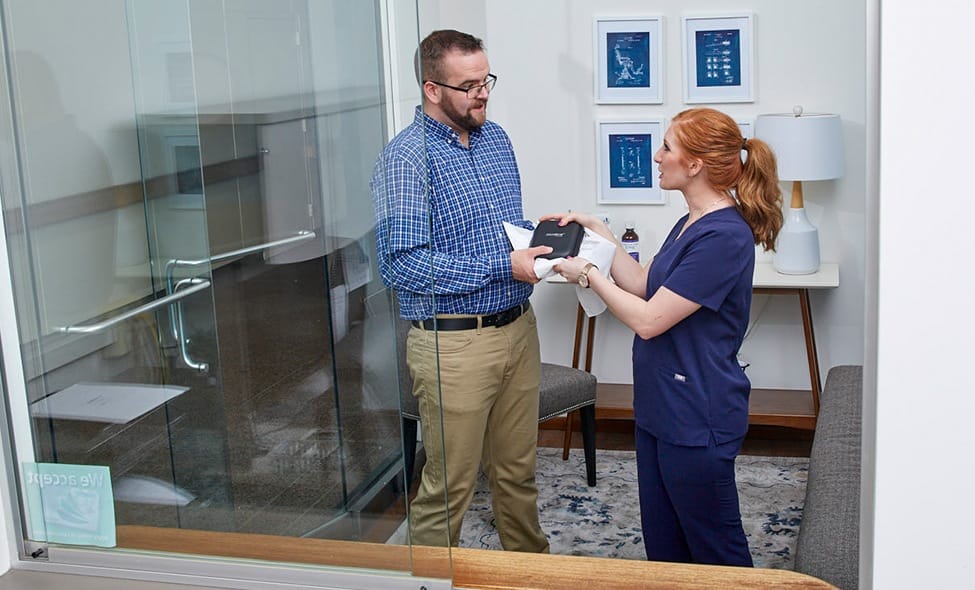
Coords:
565,240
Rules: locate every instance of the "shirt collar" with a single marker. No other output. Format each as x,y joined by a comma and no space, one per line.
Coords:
440,130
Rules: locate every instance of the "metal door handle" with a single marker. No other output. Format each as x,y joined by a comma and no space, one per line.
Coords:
175,262
180,330
176,318
299,237
155,304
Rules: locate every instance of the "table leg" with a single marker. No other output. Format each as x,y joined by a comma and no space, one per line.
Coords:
578,339
811,355
589,335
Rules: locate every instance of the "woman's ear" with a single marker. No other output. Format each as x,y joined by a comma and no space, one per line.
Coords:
694,167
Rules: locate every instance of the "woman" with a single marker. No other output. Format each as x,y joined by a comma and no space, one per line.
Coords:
689,308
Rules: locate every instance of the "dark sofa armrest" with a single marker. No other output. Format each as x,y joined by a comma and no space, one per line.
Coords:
828,543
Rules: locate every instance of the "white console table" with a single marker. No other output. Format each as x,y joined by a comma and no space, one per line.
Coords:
770,407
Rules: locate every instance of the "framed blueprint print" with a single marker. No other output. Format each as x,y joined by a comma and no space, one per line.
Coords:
718,58
627,60
626,172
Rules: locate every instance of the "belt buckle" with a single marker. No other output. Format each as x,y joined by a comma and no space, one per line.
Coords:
509,315
512,314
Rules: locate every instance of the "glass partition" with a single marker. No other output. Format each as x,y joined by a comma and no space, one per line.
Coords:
203,326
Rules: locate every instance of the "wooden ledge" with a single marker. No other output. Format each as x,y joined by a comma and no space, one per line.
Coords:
474,569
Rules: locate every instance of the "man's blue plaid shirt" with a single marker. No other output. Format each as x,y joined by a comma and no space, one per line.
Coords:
439,208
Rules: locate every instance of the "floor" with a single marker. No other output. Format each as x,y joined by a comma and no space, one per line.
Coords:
615,435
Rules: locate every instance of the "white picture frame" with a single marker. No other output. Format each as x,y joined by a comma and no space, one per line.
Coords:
718,58
626,172
627,60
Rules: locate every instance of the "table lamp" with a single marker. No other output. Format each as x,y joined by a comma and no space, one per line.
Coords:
807,147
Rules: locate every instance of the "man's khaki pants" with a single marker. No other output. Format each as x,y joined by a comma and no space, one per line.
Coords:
485,381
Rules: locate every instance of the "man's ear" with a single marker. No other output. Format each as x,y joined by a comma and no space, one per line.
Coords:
431,92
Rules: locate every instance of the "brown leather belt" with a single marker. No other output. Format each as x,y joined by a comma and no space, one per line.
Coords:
502,318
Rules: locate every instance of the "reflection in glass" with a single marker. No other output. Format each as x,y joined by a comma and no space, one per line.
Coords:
194,262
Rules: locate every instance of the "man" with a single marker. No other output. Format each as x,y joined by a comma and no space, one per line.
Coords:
441,189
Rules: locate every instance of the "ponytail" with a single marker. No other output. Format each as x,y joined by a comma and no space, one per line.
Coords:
715,139
759,195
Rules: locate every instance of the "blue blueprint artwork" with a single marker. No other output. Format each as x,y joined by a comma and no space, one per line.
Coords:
718,58
628,60
630,161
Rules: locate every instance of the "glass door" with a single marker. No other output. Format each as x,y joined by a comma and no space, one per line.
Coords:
102,333
203,326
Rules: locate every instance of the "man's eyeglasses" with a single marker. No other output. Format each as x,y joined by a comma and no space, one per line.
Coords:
474,89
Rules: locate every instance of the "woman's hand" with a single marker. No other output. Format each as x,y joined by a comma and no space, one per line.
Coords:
586,220
570,268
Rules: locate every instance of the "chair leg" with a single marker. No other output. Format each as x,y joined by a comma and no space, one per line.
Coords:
588,415
409,449
567,436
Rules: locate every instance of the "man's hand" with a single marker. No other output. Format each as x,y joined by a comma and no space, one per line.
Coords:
523,263
588,221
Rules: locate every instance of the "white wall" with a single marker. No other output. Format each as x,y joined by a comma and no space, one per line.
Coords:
469,16
543,55
925,384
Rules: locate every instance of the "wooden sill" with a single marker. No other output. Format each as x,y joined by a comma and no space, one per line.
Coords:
767,407
614,401
474,569
782,407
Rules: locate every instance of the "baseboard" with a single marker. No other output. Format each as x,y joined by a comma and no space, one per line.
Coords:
755,431
558,423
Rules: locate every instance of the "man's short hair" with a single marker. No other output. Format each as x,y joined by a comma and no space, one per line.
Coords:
432,49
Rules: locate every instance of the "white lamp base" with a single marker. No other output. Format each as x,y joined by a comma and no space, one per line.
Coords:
797,249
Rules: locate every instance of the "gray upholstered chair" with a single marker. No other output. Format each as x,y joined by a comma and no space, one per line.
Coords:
562,391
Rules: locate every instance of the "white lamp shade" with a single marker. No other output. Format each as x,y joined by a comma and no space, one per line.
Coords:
807,147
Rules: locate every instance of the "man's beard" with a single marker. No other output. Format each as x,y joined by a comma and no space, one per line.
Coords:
465,120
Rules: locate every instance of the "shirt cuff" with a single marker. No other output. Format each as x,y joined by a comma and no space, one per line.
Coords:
500,266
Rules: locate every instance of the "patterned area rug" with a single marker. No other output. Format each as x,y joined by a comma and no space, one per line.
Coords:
604,521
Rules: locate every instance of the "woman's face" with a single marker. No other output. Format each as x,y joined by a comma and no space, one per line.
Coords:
673,168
